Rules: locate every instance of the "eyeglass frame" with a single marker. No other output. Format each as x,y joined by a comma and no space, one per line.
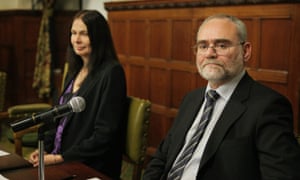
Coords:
216,47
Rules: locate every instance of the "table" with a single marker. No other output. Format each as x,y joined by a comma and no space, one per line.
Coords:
12,161
15,167
56,172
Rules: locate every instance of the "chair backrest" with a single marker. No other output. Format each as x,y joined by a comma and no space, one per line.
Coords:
2,89
66,68
137,131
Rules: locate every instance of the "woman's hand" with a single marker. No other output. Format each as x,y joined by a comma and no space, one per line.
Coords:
34,158
48,158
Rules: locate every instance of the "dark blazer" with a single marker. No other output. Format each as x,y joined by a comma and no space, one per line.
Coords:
252,140
94,136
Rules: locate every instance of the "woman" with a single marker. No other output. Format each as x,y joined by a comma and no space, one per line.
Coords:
93,136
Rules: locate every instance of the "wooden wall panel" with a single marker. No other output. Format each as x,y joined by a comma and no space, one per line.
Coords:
158,47
61,30
29,58
137,32
119,30
154,45
18,40
30,25
276,40
5,53
182,82
138,84
5,30
181,40
159,86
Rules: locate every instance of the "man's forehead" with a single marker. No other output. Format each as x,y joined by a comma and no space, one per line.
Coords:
222,40
217,29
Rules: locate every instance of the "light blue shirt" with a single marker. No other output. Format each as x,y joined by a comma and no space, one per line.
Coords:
225,91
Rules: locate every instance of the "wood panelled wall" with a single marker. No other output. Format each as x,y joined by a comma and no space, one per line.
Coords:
18,39
154,39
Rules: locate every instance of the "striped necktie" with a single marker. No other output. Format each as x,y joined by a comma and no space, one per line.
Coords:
177,169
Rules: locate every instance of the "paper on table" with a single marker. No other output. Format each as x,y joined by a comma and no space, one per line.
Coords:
3,153
2,177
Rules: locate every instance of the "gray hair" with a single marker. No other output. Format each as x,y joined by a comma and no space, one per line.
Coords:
241,28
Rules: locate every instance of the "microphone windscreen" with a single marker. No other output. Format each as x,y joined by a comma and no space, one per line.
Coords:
77,103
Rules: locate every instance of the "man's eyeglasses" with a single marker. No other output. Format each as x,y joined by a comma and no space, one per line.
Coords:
220,48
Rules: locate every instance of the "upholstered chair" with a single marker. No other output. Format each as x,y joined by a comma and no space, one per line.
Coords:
137,133
28,137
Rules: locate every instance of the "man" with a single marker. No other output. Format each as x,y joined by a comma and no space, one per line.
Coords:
249,134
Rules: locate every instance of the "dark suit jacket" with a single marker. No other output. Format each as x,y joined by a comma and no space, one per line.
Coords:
94,136
252,140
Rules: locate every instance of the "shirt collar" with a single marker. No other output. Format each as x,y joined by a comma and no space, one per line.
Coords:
227,89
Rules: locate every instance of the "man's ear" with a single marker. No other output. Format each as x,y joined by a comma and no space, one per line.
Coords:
247,48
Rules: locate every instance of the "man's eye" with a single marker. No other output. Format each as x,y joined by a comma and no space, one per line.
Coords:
221,46
202,46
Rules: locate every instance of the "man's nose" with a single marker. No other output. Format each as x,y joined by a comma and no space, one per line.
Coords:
211,51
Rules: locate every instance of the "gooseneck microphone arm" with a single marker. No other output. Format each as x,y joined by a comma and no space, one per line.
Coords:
76,104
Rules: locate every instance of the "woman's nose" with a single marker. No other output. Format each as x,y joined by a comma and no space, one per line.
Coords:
77,38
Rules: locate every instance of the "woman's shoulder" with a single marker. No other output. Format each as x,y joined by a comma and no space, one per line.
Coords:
110,69
109,65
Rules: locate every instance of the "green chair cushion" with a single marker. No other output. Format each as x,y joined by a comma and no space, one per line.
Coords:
27,109
28,140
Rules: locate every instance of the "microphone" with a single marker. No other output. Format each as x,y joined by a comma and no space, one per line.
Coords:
76,104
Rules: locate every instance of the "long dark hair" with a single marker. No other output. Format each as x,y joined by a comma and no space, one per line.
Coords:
100,39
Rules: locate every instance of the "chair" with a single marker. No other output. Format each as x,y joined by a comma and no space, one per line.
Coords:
15,112
137,133
28,137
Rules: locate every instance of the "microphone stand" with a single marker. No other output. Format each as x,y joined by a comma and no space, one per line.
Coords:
41,168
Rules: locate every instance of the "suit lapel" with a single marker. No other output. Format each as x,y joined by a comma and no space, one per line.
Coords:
232,111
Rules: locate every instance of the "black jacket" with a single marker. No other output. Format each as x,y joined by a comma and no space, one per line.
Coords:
94,136
252,140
